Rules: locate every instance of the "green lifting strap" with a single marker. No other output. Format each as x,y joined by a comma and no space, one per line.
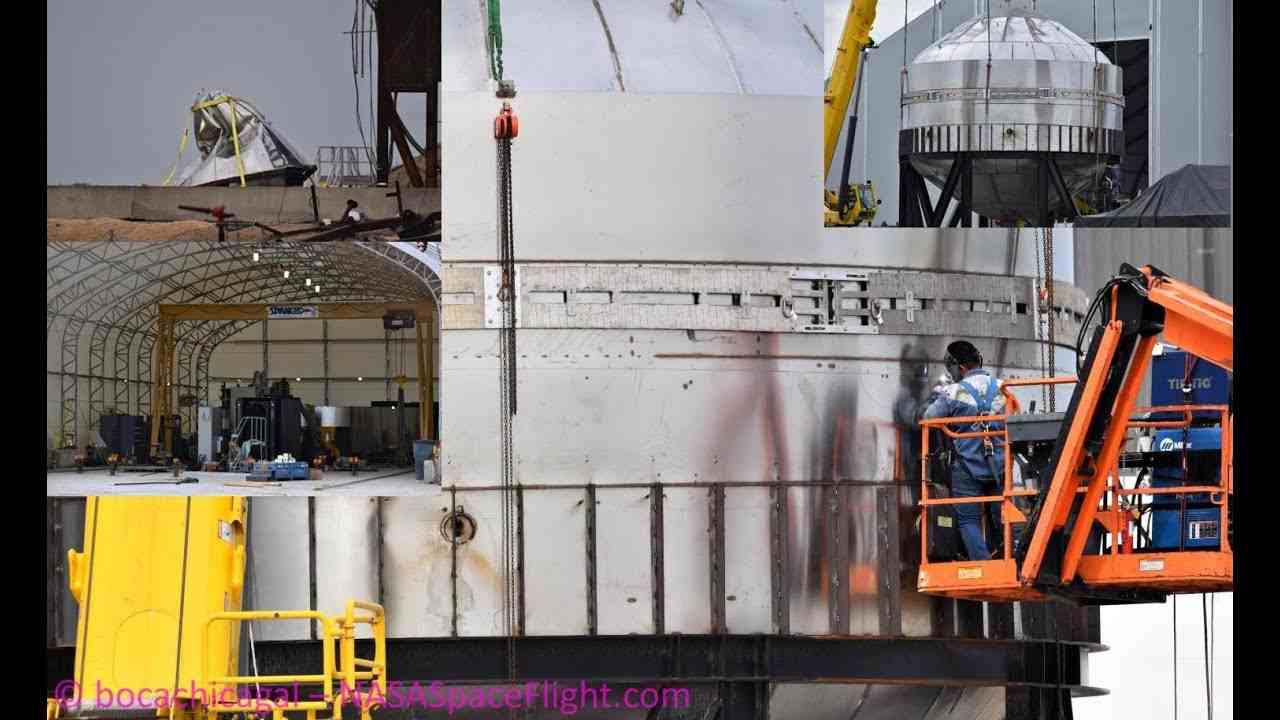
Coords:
495,40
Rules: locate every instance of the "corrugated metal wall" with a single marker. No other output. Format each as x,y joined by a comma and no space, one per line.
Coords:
1200,256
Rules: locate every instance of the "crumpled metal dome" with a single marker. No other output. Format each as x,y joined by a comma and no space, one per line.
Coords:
224,125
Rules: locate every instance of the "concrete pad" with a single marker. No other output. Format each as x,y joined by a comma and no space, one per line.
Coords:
381,483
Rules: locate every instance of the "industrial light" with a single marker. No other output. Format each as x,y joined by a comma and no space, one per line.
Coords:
308,282
317,288
359,379
297,379
256,256
286,274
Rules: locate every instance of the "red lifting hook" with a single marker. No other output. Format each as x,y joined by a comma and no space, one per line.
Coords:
506,126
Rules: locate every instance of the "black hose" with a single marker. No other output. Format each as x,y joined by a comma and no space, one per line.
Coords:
1134,281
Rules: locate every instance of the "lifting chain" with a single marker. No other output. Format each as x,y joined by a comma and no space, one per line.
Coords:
506,127
1045,307
1049,309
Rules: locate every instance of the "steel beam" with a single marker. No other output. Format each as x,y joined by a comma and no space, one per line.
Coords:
713,658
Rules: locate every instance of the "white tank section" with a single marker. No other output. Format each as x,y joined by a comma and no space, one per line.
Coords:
700,363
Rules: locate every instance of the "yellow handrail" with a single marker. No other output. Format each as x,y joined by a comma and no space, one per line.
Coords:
344,666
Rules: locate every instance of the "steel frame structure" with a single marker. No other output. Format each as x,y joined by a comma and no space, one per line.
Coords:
169,316
107,293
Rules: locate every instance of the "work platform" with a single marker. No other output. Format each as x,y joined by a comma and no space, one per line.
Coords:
389,482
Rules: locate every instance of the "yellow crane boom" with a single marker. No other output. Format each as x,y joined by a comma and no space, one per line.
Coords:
855,37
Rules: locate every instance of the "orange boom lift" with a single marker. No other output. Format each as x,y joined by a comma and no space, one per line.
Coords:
1073,538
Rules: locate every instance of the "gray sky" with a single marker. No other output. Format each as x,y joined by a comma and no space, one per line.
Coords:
888,20
121,76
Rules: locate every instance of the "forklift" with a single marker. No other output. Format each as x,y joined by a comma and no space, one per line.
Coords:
1072,529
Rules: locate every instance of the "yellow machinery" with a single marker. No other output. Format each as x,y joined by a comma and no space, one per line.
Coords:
852,204
166,342
159,585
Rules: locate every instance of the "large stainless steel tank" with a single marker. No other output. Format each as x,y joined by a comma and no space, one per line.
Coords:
1006,88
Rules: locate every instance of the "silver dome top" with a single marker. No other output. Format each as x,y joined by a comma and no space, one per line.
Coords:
1017,33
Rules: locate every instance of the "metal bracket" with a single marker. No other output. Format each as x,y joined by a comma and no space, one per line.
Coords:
569,308
492,305
834,322
911,307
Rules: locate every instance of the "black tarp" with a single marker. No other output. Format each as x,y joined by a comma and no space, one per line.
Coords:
1193,196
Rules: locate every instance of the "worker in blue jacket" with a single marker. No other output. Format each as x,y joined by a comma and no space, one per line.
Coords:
977,464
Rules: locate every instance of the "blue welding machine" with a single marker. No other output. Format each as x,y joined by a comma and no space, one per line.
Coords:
1186,456
1207,384
1190,456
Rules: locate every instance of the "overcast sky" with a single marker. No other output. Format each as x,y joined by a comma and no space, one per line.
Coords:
888,20
122,74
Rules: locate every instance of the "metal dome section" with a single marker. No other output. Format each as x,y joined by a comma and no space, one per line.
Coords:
761,47
1010,114
238,145
102,299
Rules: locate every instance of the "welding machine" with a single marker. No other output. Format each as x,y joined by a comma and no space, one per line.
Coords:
1186,456
1178,378
1190,456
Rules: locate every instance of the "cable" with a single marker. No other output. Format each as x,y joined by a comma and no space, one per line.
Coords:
373,116
1175,657
1134,281
355,80
987,91
1048,275
1208,659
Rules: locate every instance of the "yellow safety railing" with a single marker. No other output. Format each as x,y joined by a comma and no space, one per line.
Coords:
342,664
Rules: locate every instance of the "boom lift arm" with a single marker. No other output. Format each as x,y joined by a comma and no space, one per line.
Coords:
1049,558
1142,304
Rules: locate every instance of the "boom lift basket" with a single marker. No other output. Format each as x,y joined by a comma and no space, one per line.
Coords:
1072,529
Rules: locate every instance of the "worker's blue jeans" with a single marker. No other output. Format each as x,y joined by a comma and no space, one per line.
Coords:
963,484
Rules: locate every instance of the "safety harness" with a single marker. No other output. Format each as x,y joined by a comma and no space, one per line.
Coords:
984,409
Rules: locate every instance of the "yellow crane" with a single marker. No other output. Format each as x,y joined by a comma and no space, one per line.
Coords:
852,204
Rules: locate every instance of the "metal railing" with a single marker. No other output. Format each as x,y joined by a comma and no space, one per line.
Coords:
344,165
252,432
341,665
1121,509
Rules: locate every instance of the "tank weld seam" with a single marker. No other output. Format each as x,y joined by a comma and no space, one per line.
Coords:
613,49
724,47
